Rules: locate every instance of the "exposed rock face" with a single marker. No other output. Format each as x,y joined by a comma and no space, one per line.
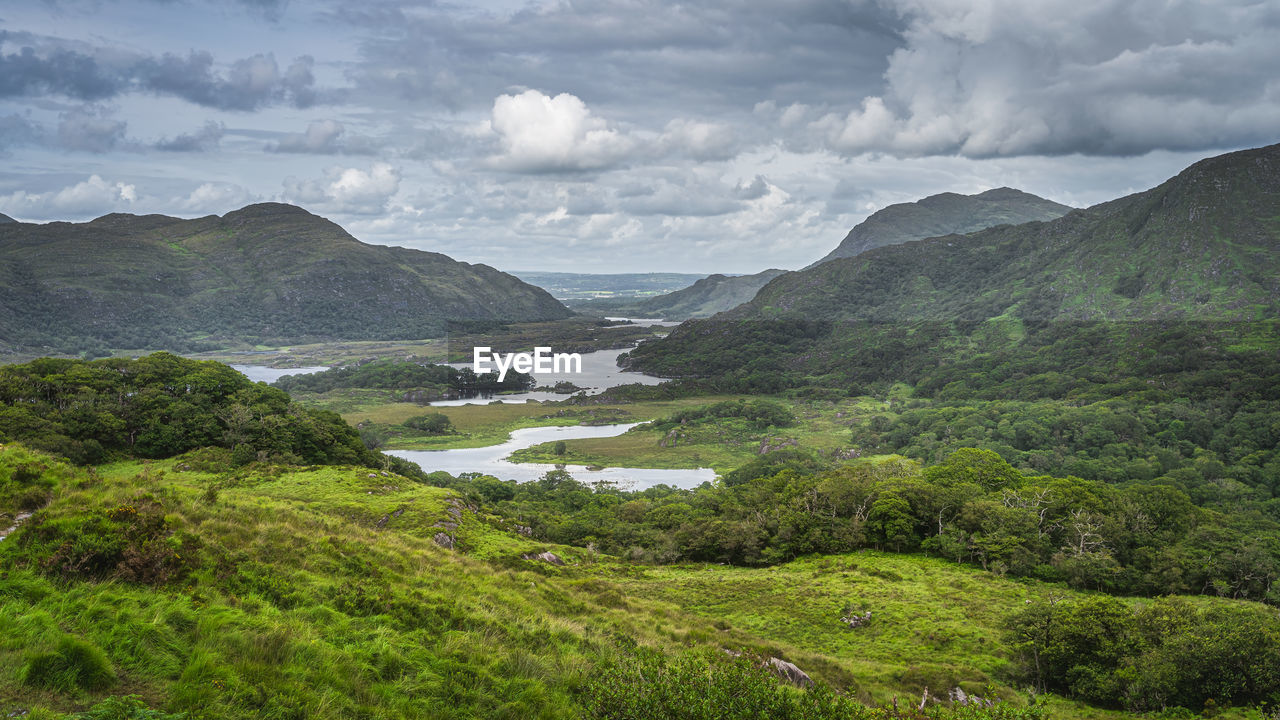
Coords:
444,540
789,672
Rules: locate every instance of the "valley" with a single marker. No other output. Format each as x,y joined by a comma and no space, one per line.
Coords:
1032,463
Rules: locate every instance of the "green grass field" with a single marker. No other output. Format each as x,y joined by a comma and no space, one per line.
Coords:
319,592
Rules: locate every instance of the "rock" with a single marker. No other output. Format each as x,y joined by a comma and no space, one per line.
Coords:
443,540
855,620
382,522
789,672
544,556
524,530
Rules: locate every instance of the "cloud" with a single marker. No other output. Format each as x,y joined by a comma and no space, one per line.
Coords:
323,137
202,140
348,190
250,83
57,71
18,129
90,129
539,133
699,140
90,198
215,198
1102,77
50,66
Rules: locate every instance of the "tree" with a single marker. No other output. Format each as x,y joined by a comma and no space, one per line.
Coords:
889,524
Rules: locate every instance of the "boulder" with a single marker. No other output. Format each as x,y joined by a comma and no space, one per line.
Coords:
789,672
544,556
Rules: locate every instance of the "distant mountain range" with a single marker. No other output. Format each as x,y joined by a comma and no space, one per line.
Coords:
268,272
935,215
1203,246
944,214
6,219
704,298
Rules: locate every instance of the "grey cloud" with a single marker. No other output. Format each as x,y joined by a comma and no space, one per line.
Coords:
323,137
46,66
91,129
251,82
17,129
757,188
648,56
57,71
1004,77
202,140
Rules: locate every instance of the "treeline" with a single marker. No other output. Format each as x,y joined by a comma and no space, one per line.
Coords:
405,375
1103,401
163,405
1152,656
1135,538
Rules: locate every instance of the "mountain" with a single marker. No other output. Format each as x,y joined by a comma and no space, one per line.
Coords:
1204,244
944,214
1198,253
704,298
267,272
4,219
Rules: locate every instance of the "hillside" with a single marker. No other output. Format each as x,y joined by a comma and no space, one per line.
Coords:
1203,245
944,214
6,219
265,272
336,592
706,297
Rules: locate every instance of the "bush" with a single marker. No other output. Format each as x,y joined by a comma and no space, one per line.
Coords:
74,664
431,423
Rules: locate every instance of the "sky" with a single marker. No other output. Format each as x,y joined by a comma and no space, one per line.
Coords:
616,135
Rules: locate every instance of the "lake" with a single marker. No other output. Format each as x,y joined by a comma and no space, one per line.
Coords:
262,373
492,460
600,372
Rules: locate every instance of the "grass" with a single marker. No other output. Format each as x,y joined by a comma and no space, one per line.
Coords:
321,592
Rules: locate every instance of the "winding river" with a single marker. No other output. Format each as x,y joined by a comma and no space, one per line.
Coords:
599,372
492,460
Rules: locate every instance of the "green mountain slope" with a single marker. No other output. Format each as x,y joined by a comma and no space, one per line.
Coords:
944,214
267,271
706,297
1203,245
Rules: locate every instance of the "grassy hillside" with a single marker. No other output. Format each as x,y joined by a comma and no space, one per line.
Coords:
265,272
944,214
322,592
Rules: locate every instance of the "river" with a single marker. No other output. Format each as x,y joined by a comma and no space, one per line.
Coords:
492,460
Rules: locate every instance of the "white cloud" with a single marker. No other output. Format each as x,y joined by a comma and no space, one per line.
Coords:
90,198
321,136
698,139
539,133
215,198
348,190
